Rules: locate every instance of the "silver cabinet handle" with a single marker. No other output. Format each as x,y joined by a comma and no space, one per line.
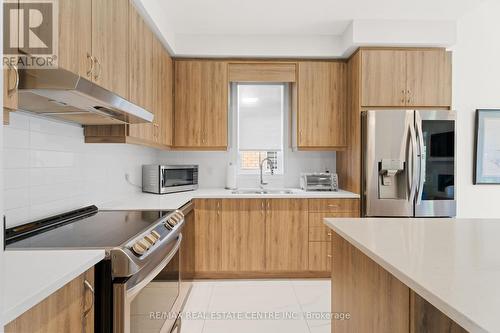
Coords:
333,206
92,65
91,289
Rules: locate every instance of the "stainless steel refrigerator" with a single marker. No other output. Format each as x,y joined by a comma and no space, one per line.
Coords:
408,163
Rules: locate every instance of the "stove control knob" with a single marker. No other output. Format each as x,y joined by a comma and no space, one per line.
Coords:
155,234
138,248
167,225
145,243
150,239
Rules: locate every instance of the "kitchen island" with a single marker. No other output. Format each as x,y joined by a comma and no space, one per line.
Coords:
415,275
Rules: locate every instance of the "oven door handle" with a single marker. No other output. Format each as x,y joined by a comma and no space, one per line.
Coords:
133,290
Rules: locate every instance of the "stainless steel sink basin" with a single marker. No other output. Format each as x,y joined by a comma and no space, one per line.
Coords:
259,191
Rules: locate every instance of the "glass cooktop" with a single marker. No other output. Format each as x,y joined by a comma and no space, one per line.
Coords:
103,229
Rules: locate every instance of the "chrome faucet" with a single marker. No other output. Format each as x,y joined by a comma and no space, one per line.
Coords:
271,163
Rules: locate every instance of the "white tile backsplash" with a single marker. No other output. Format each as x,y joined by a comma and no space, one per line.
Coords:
48,169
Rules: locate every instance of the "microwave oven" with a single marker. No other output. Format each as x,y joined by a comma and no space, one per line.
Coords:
163,179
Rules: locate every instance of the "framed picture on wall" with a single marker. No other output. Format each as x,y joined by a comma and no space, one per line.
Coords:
487,150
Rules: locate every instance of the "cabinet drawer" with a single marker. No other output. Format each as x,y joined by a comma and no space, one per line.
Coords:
316,219
320,234
320,256
334,205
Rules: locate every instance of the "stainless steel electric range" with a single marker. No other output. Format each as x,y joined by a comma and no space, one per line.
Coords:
141,272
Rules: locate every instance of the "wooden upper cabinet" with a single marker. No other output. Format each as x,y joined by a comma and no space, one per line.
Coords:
321,105
201,104
75,37
10,81
383,81
207,239
263,72
110,44
243,235
428,78
10,96
287,242
69,309
411,77
141,79
166,94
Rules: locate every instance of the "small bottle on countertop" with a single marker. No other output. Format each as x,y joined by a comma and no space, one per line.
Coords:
231,177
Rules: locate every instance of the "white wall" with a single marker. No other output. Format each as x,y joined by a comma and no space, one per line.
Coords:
476,85
48,169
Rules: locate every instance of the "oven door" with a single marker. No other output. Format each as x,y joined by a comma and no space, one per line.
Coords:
143,303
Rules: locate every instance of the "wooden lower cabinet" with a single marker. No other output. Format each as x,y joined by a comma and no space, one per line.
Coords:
188,250
286,235
69,309
207,237
243,235
250,238
320,256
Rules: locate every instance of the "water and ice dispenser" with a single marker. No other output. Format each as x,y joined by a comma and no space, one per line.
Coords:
392,176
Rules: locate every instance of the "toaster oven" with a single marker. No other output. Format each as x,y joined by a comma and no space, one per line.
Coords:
163,179
323,181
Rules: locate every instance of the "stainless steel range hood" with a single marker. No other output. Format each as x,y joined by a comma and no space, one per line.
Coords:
61,94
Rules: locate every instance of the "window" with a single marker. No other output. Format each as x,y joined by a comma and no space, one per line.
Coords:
260,116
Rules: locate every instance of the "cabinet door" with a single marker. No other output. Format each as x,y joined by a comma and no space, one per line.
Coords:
428,78
321,107
188,246
141,59
167,99
214,101
70,309
110,45
201,102
286,235
10,97
383,81
75,36
207,235
320,256
243,235
10,74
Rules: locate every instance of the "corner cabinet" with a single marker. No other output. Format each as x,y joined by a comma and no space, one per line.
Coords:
320,114
201,105
69,309
416,78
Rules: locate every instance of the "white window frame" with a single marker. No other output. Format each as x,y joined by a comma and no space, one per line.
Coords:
234,138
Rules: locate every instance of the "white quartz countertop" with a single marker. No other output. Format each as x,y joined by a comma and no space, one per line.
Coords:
145,201
31,276
452,263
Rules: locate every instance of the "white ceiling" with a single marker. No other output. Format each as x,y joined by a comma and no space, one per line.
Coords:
292,18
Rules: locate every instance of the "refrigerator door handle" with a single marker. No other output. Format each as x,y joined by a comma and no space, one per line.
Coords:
414,175
421,157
